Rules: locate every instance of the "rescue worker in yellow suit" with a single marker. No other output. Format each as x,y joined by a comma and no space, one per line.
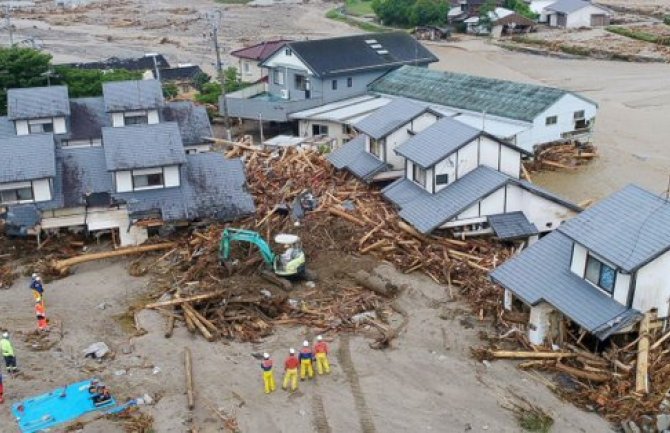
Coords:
306,358
268,374
291,370
321,351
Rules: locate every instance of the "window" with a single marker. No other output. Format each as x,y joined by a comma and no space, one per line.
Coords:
441,179
600,274
301,82
334,84
350,82
148,180
141,118
318,129
419,175
288,52
579,115
91,142
278,77
246,67
40,126
376,148
16,194
551,120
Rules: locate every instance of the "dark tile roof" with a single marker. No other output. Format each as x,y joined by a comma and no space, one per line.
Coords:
508,99
132,95
259,51
87,118
27,157
352,54
390,117
192,119
37,102
542,273
7,129
83,171
353,157
513,225
143,146
629,228
169,204
132,64
180,73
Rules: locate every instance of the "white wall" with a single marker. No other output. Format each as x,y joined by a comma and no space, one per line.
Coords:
59,125
652,286
152,116
117,120
578,264
564,109
250,72
466,159
124,181
422,122
582,17
622,287
171,176
21,127
335,129
42,190
510,162
446,166
544,213
281,59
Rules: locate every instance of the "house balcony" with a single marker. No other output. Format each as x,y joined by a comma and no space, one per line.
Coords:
255,101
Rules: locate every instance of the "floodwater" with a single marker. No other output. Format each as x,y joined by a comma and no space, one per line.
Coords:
632,129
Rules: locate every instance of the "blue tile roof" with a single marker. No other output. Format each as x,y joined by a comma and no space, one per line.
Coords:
402,191
390,117
629,228
37,102
513,225
353,157
132,95
7,129
143,146
27,157
542,273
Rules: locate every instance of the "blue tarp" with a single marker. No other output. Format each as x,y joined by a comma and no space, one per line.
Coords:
57,407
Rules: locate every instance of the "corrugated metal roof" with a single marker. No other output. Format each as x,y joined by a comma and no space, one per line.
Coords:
402,191
513,225
143,146
353,157
346,153
390,117
436,142
629,228
348,111
569,6
37,102
132,95
542,273
27,157
507,99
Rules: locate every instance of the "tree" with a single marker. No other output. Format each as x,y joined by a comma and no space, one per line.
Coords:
88,82
170,90
21,67
428,12
200,80
485,13
520,7
393,12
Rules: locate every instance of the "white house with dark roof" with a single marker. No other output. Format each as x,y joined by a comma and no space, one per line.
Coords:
601,269
467,181
124,161
371,155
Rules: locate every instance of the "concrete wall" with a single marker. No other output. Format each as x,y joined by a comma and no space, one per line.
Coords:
564,109
652,286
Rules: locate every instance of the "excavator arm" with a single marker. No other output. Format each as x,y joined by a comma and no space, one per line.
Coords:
230,235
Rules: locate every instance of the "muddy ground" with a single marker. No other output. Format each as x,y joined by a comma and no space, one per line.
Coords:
427,381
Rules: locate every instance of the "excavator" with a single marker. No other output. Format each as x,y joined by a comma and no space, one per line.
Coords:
289,264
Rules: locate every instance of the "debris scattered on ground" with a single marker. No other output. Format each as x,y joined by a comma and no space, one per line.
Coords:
567,156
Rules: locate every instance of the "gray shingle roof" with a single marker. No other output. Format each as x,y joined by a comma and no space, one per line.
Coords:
390,117
83,171
7,129
21,217
170,204
542,273
402,191
192,120
132,95
143,146
87,118
513,225
37,102
502,98
629,228
353,157
569,6
436,142
27,157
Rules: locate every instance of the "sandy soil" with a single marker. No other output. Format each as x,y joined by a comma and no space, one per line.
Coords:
427,381
649,7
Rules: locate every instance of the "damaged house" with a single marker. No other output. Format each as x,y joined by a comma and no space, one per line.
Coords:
600,270
122,162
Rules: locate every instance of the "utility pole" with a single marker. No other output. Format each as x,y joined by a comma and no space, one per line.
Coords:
8,24
215,22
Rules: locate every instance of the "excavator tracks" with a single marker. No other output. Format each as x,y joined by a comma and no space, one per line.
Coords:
346,364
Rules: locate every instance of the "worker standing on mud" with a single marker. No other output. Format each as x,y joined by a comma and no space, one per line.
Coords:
37,288
306,359
321,351
268,374
41,314
8,353
291,370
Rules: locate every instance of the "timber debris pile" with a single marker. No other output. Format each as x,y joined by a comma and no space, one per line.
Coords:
566,156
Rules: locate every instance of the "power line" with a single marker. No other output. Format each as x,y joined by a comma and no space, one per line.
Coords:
214,19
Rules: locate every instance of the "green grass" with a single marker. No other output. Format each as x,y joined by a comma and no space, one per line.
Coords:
359,8
640,36
335,14
535,422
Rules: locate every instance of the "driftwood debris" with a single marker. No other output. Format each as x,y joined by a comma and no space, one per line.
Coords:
188,371
63,265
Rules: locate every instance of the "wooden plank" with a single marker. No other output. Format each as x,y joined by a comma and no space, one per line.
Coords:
507,354
641,377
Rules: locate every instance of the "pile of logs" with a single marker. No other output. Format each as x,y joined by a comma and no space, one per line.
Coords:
565,156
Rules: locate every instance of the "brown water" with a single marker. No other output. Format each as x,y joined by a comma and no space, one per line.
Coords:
632,130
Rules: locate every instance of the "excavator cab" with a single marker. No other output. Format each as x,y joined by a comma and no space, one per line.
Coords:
292,260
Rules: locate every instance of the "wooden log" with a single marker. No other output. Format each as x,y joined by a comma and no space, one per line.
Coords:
344,215
556,165
507,354
188,369
641,377
412,231
581,374
63,265
190,299
660,341
209,325
374,246
202,328
169,327
526,175
374,283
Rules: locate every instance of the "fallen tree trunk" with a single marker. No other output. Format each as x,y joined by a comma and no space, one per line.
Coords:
581,374
374,283
63,265
641,377
179,301
188,369
343,214
506,354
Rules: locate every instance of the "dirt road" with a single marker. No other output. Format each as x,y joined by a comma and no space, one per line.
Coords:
427,382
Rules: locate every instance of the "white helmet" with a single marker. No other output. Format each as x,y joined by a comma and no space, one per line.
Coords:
35,275
305,343
5,334
266,355
291,351
319,337
38,278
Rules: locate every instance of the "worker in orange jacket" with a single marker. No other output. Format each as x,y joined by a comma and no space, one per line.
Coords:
41,314
291,370
321,351
268,374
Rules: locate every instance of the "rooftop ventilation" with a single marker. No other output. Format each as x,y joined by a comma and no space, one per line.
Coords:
382,52
376,46
371,41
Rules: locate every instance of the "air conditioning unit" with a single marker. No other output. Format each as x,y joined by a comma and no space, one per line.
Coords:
283,93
